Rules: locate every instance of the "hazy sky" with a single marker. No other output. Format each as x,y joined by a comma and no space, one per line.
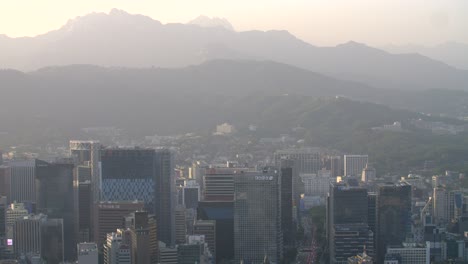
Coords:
322,22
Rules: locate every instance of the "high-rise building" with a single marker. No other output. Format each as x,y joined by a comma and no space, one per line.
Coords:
5,182
14,212
83,178
88,253
23,181
165,189
207,228
257,217
347,222
306,161
287,220
180,224
3,208
88,153
129,174
194,251
191,194
117,249
223,214
410,253
317,184
441,206
144,243
393,216
37,234
109,217
354,164
167,255
53,241
56,198
219,184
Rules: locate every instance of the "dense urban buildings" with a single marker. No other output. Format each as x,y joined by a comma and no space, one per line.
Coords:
354,164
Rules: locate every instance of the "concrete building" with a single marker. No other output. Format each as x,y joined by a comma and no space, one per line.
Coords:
191,194
410,253
14,212
207,228
167,255
354,164
257,217
142,229
116,249
88,253
5,182
194,251
180,224
109,217
317,184
368,174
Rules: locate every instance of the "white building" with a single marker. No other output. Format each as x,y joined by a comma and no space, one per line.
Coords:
410,253
116,251
316,184
369,174
225,129
354,164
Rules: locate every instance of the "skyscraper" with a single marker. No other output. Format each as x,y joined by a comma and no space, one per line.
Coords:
287,223
88,253
88,153
53,241
14,212
3,208
56,198
393,216
347,221
165,189
191,194
144,243
23,181
117,249
257,217
219,184
207,228
5,182
354,164
109,217
180,224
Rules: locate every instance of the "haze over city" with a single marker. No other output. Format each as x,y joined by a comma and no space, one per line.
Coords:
234,132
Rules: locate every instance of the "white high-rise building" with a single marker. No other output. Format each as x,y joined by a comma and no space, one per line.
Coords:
116,250
354,164
316,184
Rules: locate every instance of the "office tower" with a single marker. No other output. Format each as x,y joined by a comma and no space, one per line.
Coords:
180,225
354,164
84,190
109,217
368,174
393,216
257,217
3,208
207,228
88,253
191,194
14,212
129,174
53,240
287,224
219,184
372,213
347,222
5,182
441,206
223,214
143,241
88,152
165,189
23,181
56,199
336,166
117,249
27,235
194,251
167,255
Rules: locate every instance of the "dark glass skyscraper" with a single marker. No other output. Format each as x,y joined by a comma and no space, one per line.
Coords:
56,198
287,224
393,216
347,222
257,217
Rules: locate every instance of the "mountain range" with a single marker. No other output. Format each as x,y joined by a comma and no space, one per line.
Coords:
120,39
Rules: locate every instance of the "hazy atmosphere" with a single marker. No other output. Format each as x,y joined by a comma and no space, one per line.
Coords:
320,22
234,132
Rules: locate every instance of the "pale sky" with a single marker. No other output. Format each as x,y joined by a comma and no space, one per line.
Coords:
320,22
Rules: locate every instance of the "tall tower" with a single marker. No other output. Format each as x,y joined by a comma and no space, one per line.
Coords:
257,217
287,224
165,190
393,216
347,222
88,152
56,198
23,181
